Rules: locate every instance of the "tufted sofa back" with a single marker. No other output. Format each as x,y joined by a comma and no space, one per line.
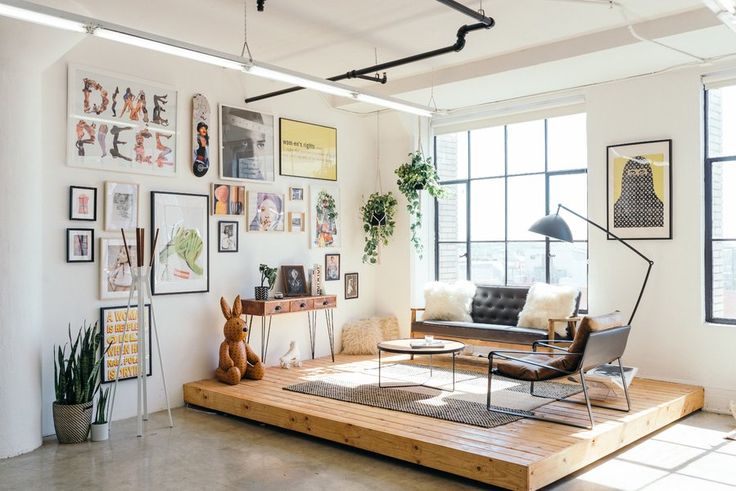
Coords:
498,304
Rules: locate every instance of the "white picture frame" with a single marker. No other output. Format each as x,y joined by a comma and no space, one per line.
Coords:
116,278
265,212
247,142
324,231
122,206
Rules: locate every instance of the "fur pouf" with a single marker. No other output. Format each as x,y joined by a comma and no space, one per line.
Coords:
544,302
448,302
361,337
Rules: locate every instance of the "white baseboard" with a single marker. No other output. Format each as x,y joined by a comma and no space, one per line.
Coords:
717,400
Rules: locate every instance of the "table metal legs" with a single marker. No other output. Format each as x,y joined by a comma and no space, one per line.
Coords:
330,321
265,334
424,384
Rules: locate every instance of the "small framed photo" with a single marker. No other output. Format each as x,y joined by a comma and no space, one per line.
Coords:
295,282
351,285
82,203
296,221
116,278
296,194
228,237
228,199
121,206
80,245
332,267
265,212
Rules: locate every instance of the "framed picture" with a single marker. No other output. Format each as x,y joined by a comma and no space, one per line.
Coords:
351,285
182,262
265,212
82,203
307,150
120,123
116,279
246,144
121,206
114,322
332,267
325,216
227,237
296,221
296,194
80,245
295,282
639,190
228,199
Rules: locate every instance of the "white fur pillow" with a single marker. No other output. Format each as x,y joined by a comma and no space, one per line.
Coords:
361,337
448,302
389,327
544,302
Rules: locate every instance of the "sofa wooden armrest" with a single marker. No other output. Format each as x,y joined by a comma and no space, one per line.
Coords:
414,311
571,321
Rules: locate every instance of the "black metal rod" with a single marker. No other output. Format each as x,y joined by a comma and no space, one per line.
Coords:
651,263
457,46
477,15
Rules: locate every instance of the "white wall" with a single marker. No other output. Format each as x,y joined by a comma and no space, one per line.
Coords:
190,325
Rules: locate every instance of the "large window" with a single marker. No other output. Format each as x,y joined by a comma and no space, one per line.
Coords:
499,181
720,205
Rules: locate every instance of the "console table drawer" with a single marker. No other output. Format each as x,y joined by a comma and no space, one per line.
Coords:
301,304
325,302
277,307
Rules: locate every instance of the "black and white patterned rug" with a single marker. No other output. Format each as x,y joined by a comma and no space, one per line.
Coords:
467,404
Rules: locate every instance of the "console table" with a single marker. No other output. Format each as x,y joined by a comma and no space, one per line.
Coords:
266,309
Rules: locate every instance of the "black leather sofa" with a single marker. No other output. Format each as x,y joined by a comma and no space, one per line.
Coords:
495,312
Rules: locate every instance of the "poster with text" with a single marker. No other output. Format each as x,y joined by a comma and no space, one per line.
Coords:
119,123
307,150
120,326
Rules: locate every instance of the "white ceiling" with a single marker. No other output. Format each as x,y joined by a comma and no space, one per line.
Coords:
536,45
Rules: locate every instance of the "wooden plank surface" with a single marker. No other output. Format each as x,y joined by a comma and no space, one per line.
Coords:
525,454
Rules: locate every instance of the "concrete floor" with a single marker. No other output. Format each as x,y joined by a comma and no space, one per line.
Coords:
209,451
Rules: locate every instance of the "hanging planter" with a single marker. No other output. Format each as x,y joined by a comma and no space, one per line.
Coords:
414,176
378,223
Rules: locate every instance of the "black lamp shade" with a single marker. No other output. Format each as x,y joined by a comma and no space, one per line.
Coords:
553,226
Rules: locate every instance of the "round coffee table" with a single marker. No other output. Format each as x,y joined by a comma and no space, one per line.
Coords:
404,347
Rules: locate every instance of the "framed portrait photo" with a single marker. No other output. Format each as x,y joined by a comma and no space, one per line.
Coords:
247,141
228,199
351,285
265,212
639,190
80,245
114,321
307,150
296,194
116,279
332,267
182,262
121,206
82,203
227,236
295,282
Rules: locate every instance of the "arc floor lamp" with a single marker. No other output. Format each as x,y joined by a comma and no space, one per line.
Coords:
555,227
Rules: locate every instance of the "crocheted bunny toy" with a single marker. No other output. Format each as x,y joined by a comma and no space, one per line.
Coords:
237,358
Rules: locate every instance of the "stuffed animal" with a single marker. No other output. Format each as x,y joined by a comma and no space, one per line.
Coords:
292,358
237,359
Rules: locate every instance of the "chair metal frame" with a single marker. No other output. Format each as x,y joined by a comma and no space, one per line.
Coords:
579,372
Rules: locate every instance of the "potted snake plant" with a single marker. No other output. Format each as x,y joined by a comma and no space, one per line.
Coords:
101,427
268,275
76,382
378,223
418,174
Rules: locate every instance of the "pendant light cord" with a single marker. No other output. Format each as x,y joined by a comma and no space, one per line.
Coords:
245,33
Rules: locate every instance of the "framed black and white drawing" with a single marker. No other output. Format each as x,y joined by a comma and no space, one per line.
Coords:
351,285
227,236
121,206
639,190
247,142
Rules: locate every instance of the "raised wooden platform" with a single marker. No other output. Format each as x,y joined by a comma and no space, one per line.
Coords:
525,454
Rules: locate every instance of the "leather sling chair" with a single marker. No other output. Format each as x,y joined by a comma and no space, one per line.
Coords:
599,340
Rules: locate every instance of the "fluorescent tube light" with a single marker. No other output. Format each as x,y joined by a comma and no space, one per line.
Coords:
29,15
726,5
170,49
283,75
390,103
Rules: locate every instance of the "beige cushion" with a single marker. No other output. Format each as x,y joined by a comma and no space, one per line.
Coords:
389,327
544,302
448,301
361,337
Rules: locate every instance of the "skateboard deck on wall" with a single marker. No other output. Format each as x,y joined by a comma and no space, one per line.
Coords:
201,119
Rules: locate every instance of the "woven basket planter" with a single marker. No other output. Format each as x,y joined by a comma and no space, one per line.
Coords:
262,292
72,422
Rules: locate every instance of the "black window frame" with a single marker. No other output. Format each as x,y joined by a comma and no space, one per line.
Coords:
709,240
467,181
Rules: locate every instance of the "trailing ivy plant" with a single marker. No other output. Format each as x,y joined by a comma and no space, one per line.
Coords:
415,175
378,223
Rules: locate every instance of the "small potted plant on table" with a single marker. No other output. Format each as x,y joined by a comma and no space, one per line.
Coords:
268,274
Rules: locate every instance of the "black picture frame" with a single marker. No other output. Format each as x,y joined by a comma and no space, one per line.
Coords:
69,233
219,235
94,204
631,233
162,240
103,370
348,278
296,288
302,176
329,277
